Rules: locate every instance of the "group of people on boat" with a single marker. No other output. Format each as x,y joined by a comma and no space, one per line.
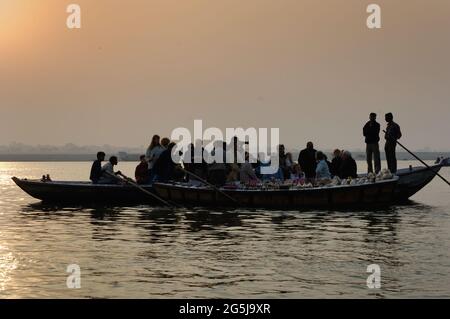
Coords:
371,132
156,165
104,174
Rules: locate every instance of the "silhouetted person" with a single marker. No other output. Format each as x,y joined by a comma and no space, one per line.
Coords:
289,163
307,160
236,149
165,141
164,166
108,171
96,169
46,178
393,133
141,173
195,163
282,161
217,171
322,170
327,161
336,163
371,132
153,152
247,173
348,166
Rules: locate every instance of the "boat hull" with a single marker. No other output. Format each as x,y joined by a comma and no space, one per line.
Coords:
380,193
413,180
79,192
409,183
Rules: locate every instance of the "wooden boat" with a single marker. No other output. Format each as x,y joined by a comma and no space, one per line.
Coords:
84,192
381,192
413,179
445,161
410,181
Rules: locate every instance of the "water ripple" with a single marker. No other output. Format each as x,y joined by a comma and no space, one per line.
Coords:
157,252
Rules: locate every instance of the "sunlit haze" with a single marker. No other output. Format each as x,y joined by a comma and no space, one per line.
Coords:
136,68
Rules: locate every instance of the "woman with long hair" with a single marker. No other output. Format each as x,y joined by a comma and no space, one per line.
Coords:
153,152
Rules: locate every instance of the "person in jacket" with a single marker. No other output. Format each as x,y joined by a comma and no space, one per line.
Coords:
307,160
336,163
247,173
96,169
371,132
393,133
322,170
217,170
348,166
141,173
283,162
108,172
165,167
153,152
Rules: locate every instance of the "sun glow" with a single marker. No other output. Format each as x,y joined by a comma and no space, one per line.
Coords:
8,263
11,18
10,11
18,25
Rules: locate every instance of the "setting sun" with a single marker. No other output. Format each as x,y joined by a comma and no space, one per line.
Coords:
22,26
12,19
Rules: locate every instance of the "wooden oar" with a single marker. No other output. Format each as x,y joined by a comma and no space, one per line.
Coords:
209,184
130,181
416,157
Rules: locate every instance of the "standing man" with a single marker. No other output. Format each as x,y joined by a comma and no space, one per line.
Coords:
307,161
393,134
371,132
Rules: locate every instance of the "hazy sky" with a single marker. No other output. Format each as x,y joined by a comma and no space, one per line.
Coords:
139,67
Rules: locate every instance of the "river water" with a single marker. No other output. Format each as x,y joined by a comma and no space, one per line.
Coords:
147,252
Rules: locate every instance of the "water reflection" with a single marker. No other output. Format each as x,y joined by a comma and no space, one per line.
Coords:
158,224
185,251
377,225
150,252
8,263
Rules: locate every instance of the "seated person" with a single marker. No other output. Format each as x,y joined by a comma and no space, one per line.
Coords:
164,166
322,170
328,162
217,170
233,175
283,162
165,141
247,174
348,166
297,173
108,172
278,175
96,169
289,162
141,173
336,163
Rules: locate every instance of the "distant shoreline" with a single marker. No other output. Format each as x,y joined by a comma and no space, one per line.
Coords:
135,157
